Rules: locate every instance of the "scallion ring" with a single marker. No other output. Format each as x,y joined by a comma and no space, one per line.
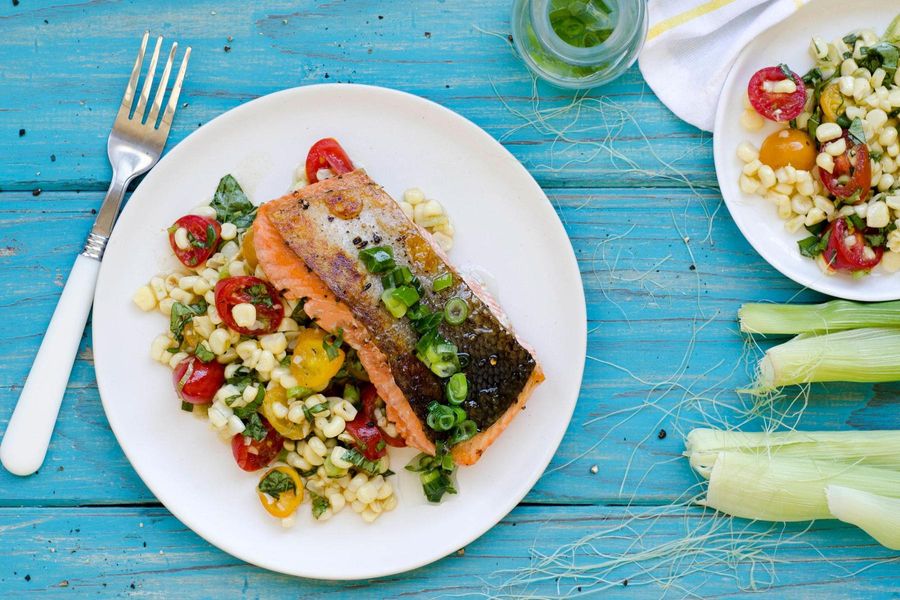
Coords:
462,432
440,417
456,310
457,388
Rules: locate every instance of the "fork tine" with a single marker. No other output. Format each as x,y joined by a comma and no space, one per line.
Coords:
166,122
148,83
132,81
161,90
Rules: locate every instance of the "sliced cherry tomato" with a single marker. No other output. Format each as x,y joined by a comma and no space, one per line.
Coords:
251,454
197,382
326,154
364,429
832,102
788,147
287,502
841,256
311,365
283,425
772,105
203,235
232,291
852,173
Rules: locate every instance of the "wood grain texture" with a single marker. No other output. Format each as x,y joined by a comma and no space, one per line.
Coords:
664,270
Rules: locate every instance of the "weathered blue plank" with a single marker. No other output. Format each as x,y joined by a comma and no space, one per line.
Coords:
62,81
147,553
642,309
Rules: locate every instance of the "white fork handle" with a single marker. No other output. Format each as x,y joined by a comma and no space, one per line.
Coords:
28,433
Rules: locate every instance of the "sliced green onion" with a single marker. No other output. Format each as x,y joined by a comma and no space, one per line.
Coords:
863,355
456,310
378,259
444,368
459,413
837,315
428,323
440,417
395,306
457,388
442,282
298,391
435,484
462,432
406,294
397,277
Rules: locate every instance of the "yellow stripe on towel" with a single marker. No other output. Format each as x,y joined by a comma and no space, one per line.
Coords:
688,15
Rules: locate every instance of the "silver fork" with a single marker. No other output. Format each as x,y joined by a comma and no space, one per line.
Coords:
135,145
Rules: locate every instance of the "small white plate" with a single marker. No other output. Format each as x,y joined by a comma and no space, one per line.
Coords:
504,224
788,42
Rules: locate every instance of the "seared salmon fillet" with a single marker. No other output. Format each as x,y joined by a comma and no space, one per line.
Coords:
308,243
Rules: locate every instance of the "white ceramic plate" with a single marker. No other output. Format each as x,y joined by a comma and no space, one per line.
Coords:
504,224
788,42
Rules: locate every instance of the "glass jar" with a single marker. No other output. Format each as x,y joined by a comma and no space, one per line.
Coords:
579,43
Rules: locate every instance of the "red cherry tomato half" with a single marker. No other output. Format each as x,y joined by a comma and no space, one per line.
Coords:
196,381
251,454
326,153
232,291
857,179
772,105
203,234
364,429
843,257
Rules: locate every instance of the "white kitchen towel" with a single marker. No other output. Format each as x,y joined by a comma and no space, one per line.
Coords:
691,45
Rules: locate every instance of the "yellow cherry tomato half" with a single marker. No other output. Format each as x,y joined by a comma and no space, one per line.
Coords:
311,366
788,147
278,395
248,250
287,501
832,102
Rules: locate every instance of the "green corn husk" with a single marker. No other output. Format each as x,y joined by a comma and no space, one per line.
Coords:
869,448
862,355
759,486
879,516
837,315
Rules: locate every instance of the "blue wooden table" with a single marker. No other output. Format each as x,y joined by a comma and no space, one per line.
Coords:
664,271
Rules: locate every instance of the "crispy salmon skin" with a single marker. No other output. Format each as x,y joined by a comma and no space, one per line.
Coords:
325,226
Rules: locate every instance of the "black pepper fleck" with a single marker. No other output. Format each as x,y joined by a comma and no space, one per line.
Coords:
376,239
330,218
36,192
662,434
367,286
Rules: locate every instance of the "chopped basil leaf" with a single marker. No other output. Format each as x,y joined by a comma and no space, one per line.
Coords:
856,131
298,314
813,123
850,39
254,428
182,314
787,71
817,228
286,361
251,408
187,407
277,483
232,205
319,505
884,55
876,156
332,343
812,77
813,245
259,295
369,467
173,350
875,239
856,221
204,353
